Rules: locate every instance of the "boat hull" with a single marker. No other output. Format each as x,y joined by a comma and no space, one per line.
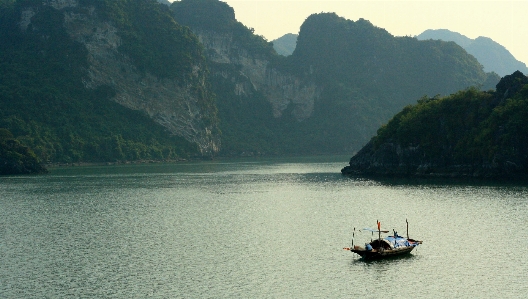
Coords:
381,254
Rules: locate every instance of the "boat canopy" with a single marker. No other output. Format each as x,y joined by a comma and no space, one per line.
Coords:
398,241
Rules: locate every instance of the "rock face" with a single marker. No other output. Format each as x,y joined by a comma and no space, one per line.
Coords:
281,89
170,102
393,160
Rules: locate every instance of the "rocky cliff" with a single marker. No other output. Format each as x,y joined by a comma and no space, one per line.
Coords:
393,159
256,73
171,102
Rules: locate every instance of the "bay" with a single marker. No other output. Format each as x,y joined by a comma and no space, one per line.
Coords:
254,228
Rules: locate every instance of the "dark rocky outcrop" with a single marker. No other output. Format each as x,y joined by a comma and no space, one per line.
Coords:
393,160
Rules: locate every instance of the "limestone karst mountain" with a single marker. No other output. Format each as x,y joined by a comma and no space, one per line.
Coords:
104,80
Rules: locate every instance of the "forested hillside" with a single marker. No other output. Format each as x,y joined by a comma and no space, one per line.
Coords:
469,133
16,158
52,94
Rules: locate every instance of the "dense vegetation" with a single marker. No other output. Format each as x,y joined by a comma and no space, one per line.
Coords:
16,158
151,38
217,16
478,133
44,103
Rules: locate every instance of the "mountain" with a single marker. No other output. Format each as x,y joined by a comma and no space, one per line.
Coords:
468,134
104,81
446,35
285,45
343,80
493,56
261,107
366,74
114,80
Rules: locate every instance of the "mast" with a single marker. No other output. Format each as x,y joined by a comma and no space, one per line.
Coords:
407,227
379,232
353,238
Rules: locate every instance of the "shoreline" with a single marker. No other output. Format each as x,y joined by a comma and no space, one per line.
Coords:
84,164
181,160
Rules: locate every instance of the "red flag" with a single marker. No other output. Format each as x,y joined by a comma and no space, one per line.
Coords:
379,225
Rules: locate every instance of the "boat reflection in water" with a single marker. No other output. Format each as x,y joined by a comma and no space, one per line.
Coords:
390,246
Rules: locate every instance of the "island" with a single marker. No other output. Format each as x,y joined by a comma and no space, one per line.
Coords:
470,133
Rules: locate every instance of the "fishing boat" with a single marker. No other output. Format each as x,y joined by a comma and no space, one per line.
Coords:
390,246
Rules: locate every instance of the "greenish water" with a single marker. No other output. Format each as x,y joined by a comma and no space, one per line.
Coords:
254,228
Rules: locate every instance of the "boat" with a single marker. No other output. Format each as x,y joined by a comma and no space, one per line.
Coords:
380,248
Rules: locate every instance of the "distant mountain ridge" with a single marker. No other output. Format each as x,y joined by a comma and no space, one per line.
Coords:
492,55
285,45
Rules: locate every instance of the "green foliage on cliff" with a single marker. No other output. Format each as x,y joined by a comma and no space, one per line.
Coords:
151,37
44,103
469,127
16,158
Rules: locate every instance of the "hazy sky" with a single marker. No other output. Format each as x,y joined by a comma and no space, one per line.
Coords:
506,22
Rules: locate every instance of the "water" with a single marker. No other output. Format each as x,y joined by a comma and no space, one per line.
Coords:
254,228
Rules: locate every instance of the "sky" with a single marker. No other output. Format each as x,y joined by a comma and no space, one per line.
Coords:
504,21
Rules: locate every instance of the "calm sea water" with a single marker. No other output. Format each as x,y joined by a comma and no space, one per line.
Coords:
254,228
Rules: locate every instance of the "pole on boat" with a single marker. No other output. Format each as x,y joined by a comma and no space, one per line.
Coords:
353,233
379,230
407,227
